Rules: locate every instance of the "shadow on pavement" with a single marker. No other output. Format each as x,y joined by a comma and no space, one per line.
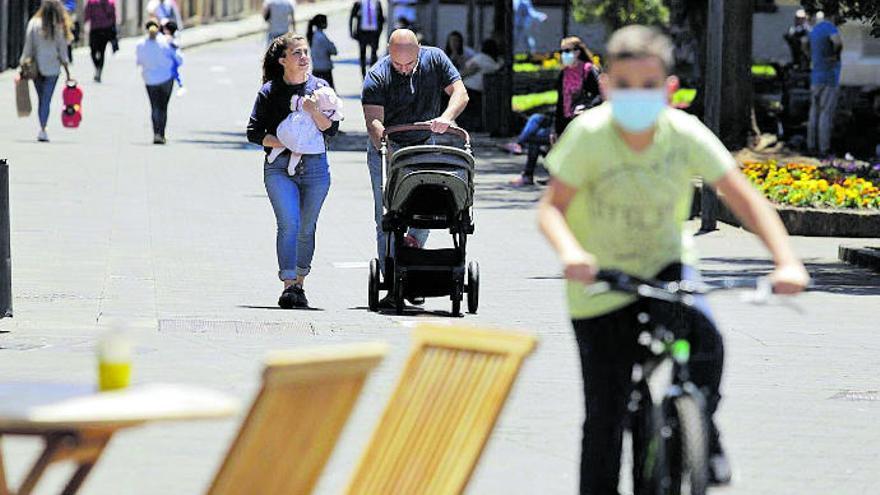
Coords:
407,311
834,278
227,140
251,306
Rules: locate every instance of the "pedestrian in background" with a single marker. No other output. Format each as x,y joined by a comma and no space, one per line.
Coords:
472,73
157,59
170,30
825,49
45,44
322,49
100,15
457,51
163,11
296,199
75,27
577,89
279,15
365,25
524,17
798,39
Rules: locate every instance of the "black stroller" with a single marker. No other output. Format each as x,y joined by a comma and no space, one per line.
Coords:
428,186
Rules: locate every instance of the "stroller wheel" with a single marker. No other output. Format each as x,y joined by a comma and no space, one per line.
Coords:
373,286
473,287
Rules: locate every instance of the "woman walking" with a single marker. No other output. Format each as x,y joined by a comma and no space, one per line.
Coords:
101,18
322,49
457,51
296,199
45,45
577,89
158,59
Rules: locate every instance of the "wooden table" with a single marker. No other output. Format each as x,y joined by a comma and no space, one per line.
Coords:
76,422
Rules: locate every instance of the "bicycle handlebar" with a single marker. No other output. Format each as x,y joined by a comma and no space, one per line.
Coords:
681,291
426,126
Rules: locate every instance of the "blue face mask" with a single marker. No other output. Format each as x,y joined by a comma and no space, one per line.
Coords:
636,110
568,58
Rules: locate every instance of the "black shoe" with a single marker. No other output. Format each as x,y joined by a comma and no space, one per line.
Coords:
719,470
416,300
293,297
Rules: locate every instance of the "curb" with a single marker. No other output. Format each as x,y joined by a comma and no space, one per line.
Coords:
812,222
865,257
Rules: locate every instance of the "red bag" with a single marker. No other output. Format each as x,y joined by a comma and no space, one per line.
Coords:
72,97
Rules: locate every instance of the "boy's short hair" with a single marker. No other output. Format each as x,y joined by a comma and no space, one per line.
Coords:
636,41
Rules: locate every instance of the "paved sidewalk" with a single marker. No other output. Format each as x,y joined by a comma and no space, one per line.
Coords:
178,241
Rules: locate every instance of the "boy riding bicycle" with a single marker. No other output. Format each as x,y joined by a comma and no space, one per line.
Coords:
623,205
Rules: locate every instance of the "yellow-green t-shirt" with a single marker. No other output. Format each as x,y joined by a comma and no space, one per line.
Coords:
630,207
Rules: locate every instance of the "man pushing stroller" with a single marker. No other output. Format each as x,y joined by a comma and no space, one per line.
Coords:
407,86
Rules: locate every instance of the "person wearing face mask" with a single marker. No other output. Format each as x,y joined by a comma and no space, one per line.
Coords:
577,89
404,87
619,196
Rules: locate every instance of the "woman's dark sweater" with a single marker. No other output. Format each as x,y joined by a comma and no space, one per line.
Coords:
273,106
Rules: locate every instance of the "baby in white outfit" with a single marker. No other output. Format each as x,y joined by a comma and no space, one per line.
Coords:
298,131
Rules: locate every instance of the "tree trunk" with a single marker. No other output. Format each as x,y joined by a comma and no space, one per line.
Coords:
736,75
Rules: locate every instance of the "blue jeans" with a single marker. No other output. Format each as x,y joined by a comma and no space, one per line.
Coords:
159,95
374,163
297,201
45,86
534,124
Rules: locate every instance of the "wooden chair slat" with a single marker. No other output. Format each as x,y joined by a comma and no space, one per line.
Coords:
295,420
438,420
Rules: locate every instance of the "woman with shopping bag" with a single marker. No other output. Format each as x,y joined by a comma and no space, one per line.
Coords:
45,54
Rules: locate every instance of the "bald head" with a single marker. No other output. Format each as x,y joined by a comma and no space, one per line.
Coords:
403,46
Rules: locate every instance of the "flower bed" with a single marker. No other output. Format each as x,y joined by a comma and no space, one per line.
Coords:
832,185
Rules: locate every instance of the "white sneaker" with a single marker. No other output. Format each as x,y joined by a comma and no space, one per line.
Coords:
42,136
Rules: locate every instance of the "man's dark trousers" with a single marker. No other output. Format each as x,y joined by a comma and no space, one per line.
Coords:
368,39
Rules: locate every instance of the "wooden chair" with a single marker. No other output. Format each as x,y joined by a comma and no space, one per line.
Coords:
293,424
442,412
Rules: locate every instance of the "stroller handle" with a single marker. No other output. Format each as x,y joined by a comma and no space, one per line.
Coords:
425,126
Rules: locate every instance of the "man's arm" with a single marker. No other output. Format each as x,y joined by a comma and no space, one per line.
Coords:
837,43
458,100
374,115
758,215
579,265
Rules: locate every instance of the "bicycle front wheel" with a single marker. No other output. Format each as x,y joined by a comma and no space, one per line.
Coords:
688,446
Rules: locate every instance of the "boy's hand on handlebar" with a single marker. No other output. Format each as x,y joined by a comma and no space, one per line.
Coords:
440,125
789,278
580,267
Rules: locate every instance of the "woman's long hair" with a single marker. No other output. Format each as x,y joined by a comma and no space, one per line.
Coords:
319,21
585,55
272,70
54,19
449,43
